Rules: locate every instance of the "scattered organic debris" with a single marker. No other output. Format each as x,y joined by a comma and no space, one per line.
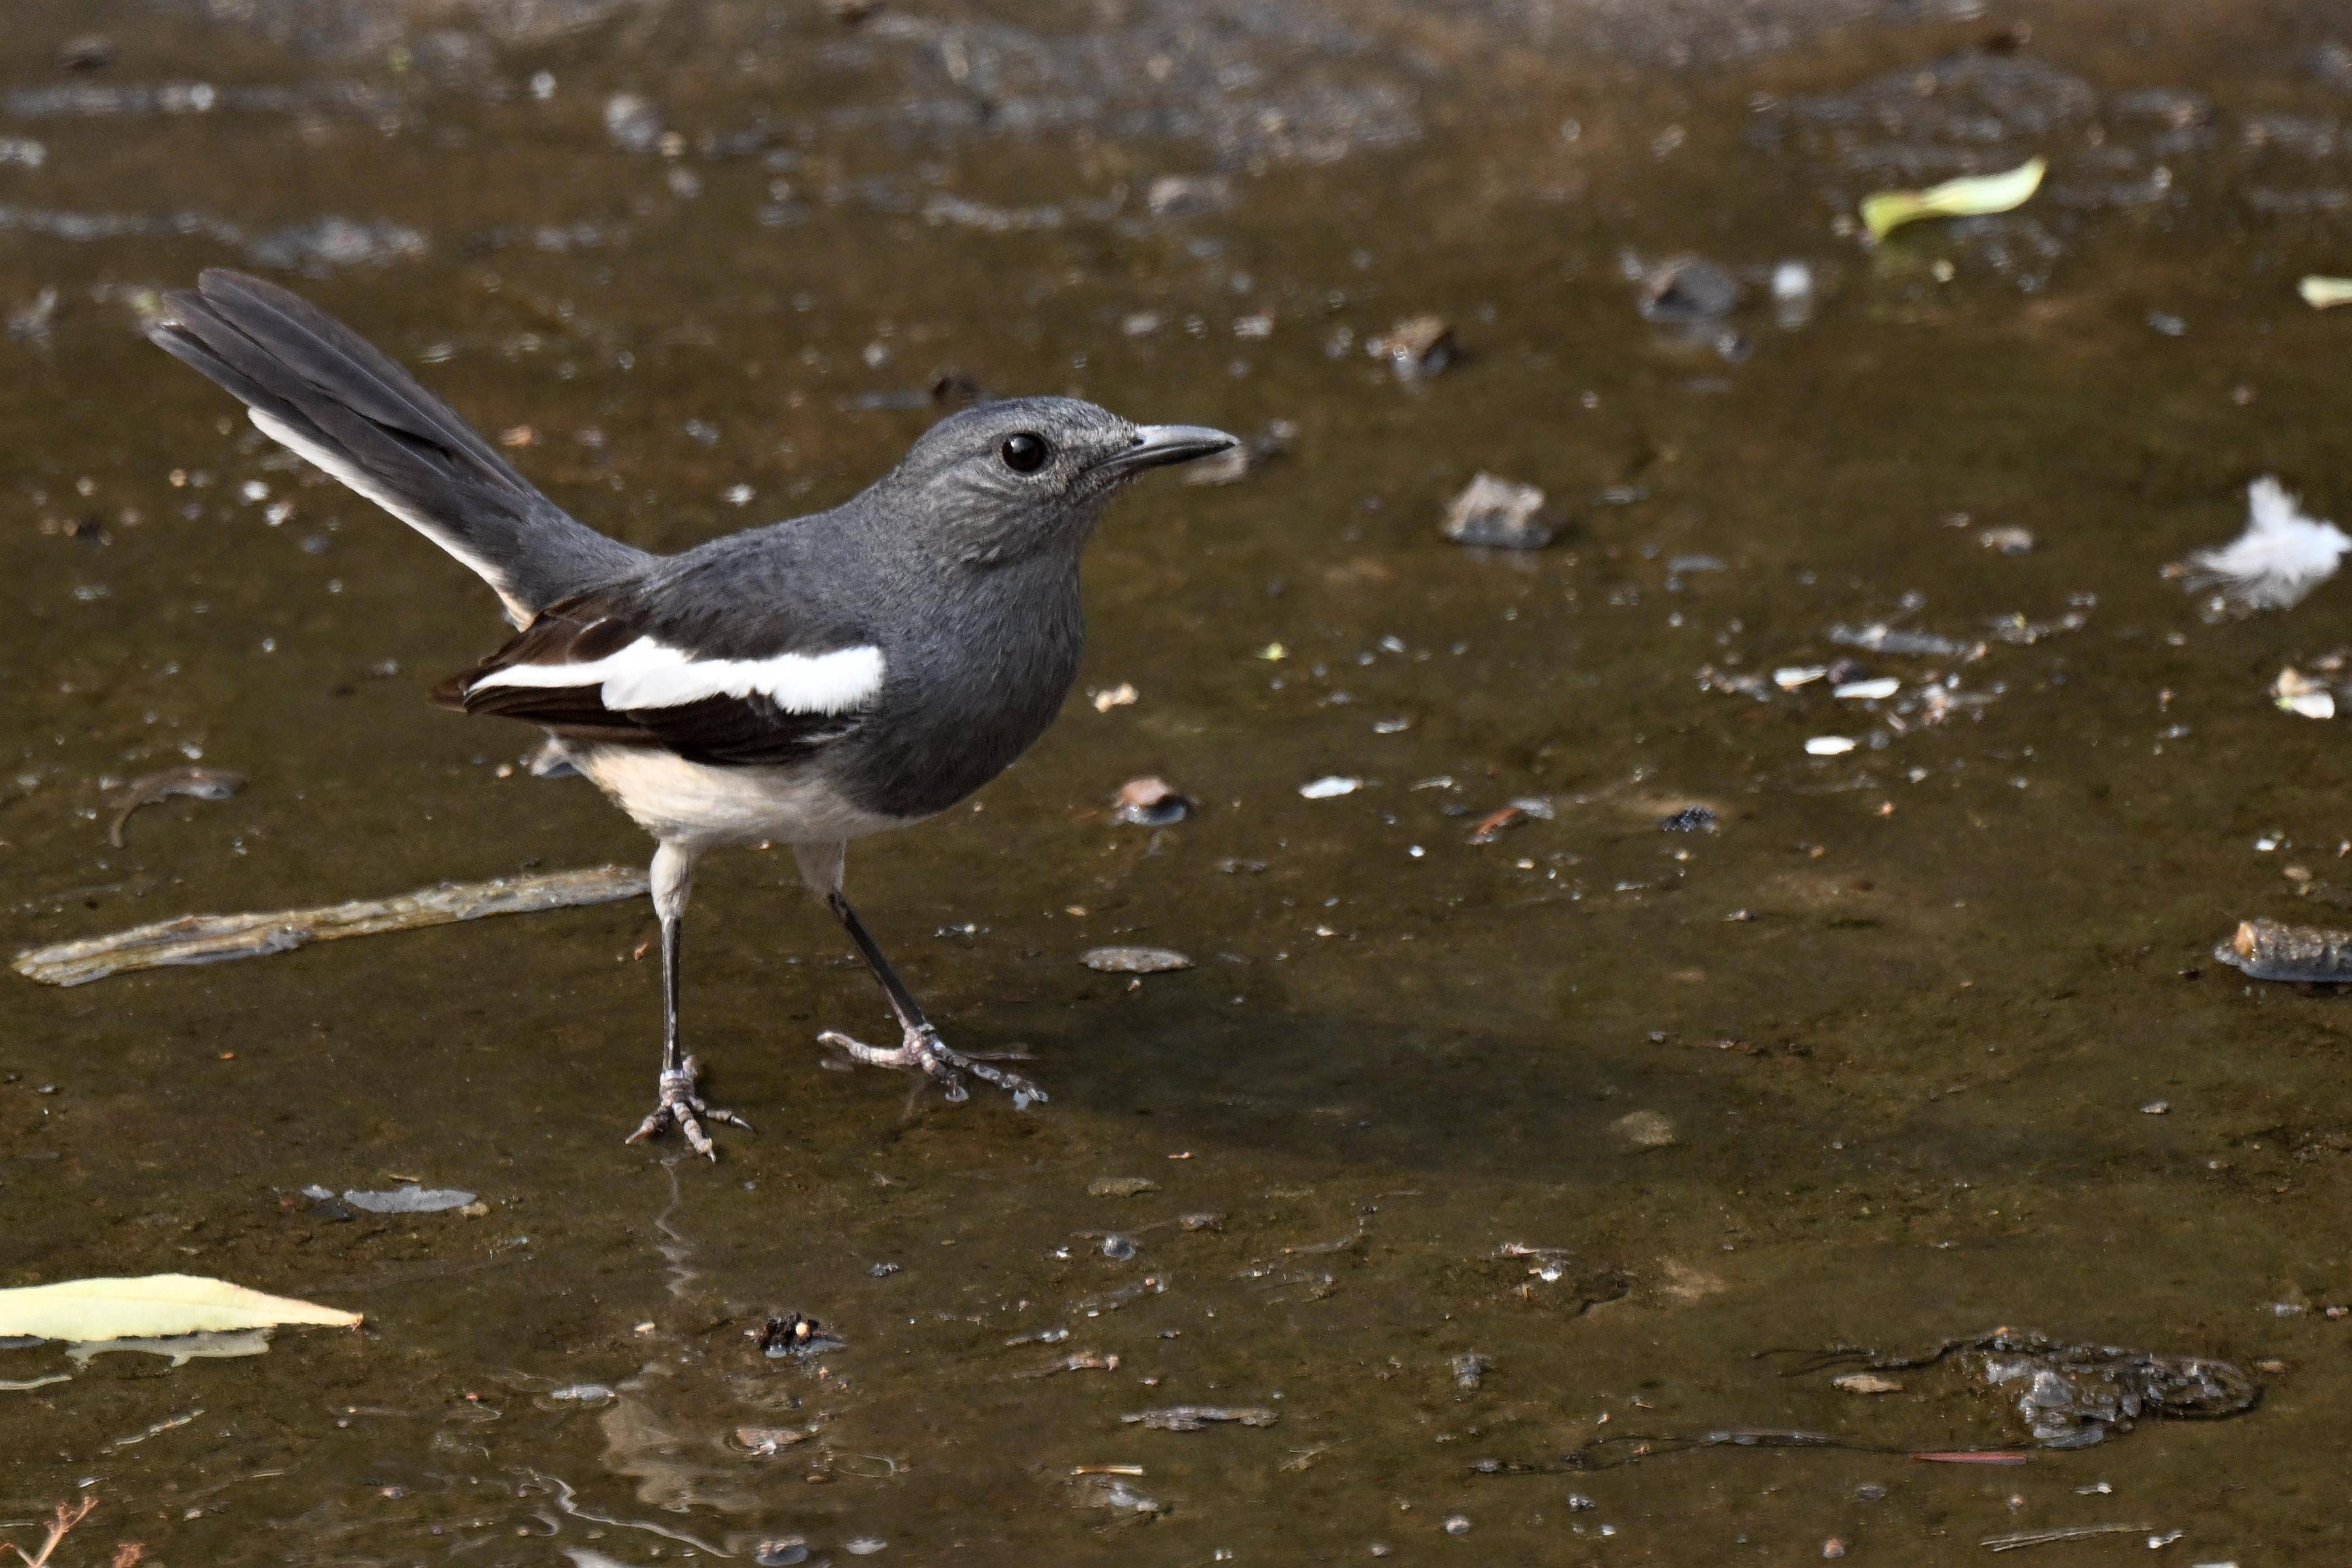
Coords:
1187,195
1644,1130
1123,695
795,1335
1134,960
1149,802
766,1442
2267,950
2323,293
1238,462
2016,1539
179,1350
196,783
2282,556
1417,349
150,1305
1630,1448
1883,212
210,939
60,1525
2297,693
1499,514
1866,1382
2072,1395
1196,1417
1121,1186
1491,826
406,1198
1687,288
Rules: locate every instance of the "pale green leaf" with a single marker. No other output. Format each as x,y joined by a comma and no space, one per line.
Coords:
1886,210
151,1307
2319,292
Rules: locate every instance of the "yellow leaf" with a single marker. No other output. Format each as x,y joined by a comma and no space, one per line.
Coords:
2321,292
150,1305
1886,211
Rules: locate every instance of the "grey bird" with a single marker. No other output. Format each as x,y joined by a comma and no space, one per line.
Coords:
808,683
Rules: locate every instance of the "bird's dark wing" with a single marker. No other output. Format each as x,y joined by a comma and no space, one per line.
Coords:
610,665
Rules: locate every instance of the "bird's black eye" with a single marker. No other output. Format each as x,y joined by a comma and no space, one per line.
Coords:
1025,453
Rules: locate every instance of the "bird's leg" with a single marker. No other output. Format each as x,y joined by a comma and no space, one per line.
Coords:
673,879
921,1050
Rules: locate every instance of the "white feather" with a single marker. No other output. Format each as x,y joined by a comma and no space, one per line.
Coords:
650,674
699,804
2282,556
350,475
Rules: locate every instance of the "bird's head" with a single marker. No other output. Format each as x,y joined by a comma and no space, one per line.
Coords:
1003,480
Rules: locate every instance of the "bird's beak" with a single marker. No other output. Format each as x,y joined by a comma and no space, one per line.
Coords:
1156,445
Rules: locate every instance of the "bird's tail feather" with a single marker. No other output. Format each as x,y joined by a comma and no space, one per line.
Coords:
316,386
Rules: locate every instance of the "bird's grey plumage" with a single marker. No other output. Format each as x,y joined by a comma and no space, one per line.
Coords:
319,387
811,681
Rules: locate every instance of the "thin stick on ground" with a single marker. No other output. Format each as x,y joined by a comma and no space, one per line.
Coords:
66,1518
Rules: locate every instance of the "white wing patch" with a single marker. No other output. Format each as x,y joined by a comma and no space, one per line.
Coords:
650,674
334,467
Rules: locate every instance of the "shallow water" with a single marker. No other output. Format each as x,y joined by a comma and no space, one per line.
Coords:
1899,1098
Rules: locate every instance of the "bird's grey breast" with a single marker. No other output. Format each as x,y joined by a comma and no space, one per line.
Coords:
978,664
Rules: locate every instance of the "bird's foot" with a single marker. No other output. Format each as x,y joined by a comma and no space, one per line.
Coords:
681,1105
923,1052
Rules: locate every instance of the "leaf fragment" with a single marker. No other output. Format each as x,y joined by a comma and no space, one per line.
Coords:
2320,293
1883,212
150,1305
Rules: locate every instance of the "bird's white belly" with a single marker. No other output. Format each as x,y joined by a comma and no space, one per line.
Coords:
677,800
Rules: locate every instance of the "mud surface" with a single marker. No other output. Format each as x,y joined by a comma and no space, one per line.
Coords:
1892,1046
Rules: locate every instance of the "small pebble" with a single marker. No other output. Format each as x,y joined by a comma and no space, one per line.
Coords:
1644,1130
1134,960
1121,1186
2155,1108
1458,1524
864,1545
1500,514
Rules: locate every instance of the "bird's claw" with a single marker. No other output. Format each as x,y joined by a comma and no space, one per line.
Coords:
922,1051
680,1104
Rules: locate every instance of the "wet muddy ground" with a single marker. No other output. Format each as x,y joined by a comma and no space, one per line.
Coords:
1919,1040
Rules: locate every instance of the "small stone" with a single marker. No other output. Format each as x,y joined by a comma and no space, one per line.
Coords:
1499,514
1417,349
2155,1108
1329,786
1149,802
1689,819
90,52
1644,1130
2008,540
633,122
1188,196
1134,960
1458,1524
1121,1186
1834,1548
1687,288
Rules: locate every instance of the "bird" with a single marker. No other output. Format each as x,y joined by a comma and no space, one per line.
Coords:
809,682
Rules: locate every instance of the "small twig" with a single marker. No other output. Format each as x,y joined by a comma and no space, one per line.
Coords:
66,1518
2052,1537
